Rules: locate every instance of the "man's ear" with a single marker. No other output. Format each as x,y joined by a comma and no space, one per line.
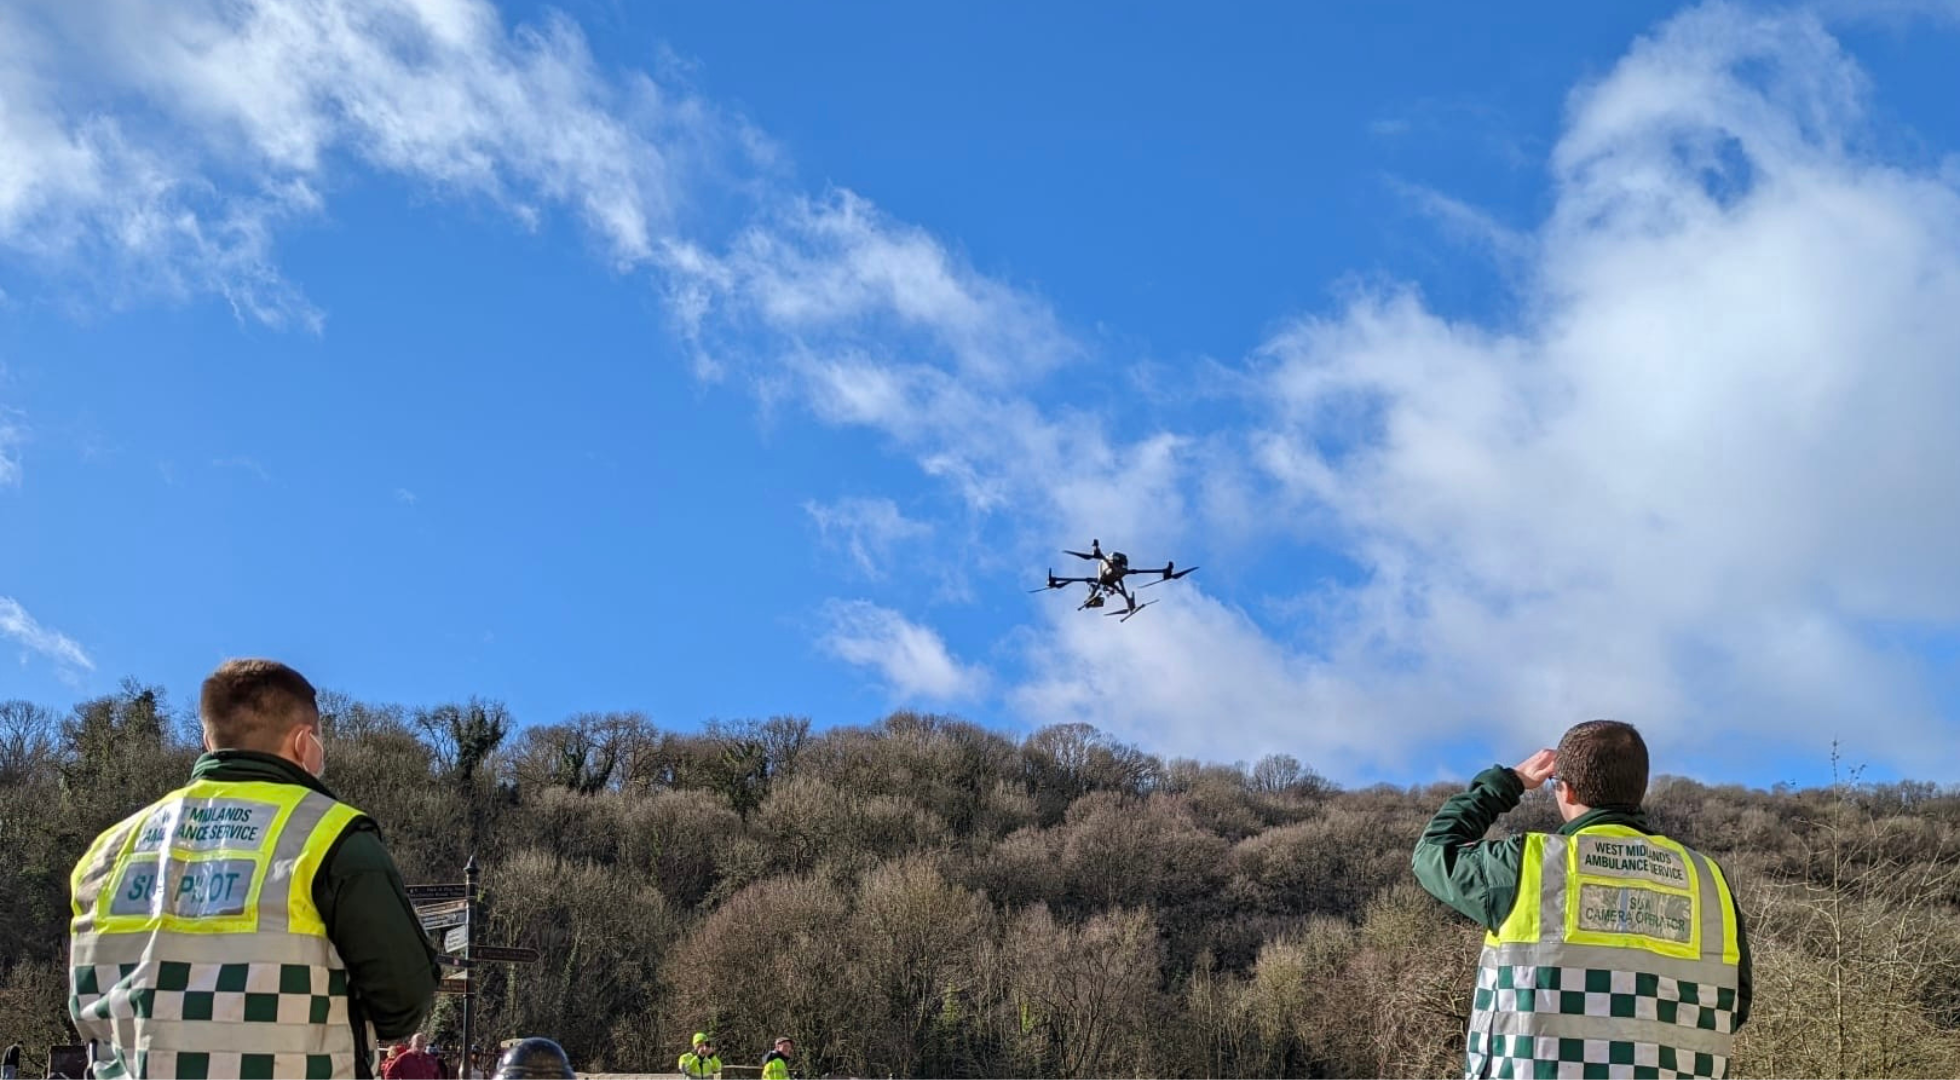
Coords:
295,740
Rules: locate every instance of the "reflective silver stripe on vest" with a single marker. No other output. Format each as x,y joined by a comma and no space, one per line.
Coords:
1606,957
1624,1029
277,948
1551,892
256,1038
276,894
1712,928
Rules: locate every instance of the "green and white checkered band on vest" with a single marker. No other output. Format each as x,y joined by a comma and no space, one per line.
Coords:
197,948
1619,960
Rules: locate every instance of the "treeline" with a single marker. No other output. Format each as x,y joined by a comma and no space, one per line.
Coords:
924,897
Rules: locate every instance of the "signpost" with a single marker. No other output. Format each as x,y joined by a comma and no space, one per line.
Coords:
420,895
503,953
448,915
452,907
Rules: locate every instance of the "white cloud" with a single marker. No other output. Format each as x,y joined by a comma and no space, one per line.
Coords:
871,531
1195,676
406,497
912,659
17,624
920,376
821,269
243,109
873,323
1708,480
78,193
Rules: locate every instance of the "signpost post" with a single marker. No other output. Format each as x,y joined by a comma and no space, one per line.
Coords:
469,990
451,910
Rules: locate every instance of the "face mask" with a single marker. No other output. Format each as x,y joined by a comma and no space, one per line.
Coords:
318,770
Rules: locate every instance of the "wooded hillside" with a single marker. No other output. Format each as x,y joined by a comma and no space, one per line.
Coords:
924,897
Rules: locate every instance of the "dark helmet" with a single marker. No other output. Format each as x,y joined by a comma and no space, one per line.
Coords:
534,1059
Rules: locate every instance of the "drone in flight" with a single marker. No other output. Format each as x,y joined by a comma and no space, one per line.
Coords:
1107,581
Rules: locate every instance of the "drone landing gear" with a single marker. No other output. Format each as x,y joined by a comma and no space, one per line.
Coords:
1130,611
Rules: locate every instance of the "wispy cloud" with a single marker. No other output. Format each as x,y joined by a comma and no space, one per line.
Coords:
13,432
819,269
18,625
1475,226
247,107
406,497
243,464
871,531
912,660
873,323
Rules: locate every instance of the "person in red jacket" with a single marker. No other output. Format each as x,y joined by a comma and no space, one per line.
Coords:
416,1063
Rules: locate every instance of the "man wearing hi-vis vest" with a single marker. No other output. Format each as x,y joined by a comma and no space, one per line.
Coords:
1612,951
701,1063
247,924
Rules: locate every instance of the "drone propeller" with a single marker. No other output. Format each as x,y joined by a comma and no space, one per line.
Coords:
1078,554
1053,583
1170,574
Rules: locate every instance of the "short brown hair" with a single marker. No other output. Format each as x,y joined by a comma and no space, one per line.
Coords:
252,704
1604,762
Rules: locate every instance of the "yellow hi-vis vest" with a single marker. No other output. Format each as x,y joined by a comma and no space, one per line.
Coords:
696,1067
197,950
1620,959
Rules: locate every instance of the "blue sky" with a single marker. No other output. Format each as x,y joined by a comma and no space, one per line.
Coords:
1501,369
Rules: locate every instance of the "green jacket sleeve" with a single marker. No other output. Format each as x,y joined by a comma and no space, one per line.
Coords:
1458,866
391,967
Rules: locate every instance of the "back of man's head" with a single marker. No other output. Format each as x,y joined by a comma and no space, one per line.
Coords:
254,705
1604,763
